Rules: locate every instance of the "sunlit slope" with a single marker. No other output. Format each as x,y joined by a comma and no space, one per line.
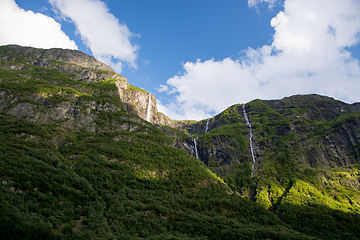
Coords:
307,160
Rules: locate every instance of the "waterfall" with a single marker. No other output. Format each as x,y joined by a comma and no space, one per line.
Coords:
148,115
195,146
251,140
207,125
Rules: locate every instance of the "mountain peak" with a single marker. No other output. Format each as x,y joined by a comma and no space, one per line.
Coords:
42,57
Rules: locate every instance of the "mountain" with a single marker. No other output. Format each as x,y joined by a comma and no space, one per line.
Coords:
306,150
86,155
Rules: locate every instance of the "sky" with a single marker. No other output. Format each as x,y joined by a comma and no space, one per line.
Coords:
198,57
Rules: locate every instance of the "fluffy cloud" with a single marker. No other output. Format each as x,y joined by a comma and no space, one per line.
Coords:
255,3
309,54
108,40
27,28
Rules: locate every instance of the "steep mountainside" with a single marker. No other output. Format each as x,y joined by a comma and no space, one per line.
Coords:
85,155
305,153
321,131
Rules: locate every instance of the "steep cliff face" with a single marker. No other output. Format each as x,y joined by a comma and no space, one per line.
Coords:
323,131
56,67
72,88
137,101
56,85
320,131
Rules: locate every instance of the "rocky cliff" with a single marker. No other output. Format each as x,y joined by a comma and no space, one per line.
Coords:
71,88
322,131
56,66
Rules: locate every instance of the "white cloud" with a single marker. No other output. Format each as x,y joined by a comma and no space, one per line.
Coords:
163,88
108,40
27,28
255,3
308,55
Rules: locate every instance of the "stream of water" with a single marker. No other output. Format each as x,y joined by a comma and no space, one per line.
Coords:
207,125
251,141
196,151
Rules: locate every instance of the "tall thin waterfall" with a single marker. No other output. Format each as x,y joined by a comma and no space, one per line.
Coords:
207,125
148,114
251,141
195,146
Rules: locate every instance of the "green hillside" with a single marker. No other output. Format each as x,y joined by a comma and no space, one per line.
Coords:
76,164
307,160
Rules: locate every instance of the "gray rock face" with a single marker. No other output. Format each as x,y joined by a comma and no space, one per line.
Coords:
73,111
44,57
84,68
136,101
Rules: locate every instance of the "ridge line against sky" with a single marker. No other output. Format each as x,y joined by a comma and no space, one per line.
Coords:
200,57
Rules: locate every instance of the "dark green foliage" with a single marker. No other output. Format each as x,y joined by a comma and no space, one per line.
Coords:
318,220
12,227
130,188
105,85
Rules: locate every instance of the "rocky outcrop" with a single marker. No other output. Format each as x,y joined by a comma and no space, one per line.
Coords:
80,65
72,105
70,114
46,57
137,102
75,107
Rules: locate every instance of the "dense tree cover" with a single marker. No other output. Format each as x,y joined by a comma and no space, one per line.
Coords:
92,186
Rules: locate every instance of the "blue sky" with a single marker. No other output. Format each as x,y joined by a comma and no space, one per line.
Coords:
197,57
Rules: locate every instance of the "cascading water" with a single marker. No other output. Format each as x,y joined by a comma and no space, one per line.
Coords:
207,125
251,140
148,114
195,146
